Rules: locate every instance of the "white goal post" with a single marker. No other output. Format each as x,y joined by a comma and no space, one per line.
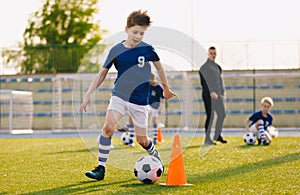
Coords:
16,111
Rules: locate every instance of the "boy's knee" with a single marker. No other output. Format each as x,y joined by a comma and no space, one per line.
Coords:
108,130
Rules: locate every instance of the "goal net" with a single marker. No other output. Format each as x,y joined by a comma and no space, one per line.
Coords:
16,111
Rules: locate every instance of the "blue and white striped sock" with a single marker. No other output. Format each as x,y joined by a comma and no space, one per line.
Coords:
131,132
150,149
104,148
261,132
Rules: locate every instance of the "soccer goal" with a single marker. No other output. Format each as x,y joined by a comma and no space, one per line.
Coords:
16,111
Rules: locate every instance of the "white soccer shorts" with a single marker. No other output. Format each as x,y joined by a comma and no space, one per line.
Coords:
153,112
138,113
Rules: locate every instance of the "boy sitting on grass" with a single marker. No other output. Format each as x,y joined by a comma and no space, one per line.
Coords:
260,121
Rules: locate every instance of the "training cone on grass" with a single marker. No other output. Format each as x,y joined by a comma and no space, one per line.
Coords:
159,135
176,172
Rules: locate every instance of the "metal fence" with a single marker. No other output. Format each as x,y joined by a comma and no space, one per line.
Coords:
56,99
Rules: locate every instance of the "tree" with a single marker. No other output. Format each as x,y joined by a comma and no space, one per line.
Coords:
59,35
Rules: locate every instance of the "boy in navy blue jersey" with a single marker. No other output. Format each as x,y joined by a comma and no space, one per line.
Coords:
130,94
156,102
261,121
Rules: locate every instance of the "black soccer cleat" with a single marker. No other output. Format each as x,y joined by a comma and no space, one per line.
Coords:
98,173
265,143
123,129
258,141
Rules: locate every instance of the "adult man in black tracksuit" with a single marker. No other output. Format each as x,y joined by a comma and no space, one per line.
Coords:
213,95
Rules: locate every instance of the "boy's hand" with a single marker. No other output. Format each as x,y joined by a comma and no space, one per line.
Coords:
85,103
168,93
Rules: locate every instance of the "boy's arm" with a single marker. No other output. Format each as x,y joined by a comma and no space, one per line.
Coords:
247,121
94,85
168,93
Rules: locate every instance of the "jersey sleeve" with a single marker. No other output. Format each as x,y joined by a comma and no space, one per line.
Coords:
253,117
153,55
109,60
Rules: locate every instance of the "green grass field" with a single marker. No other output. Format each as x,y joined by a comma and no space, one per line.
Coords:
57,166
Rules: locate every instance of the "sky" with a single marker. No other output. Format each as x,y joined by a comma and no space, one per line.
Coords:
207,21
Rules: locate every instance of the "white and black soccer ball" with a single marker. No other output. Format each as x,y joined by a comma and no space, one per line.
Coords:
250,138
148,169
273,131
125,138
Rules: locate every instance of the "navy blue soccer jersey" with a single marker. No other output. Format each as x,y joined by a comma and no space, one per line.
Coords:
258,115
134,70
156,94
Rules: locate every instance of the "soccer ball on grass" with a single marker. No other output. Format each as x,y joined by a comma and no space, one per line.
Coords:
148,169
249,138
125,138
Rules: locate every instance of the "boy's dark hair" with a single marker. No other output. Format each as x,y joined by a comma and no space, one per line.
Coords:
212,47
138,17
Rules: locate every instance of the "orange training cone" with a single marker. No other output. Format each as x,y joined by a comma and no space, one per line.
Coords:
159,135
176,172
